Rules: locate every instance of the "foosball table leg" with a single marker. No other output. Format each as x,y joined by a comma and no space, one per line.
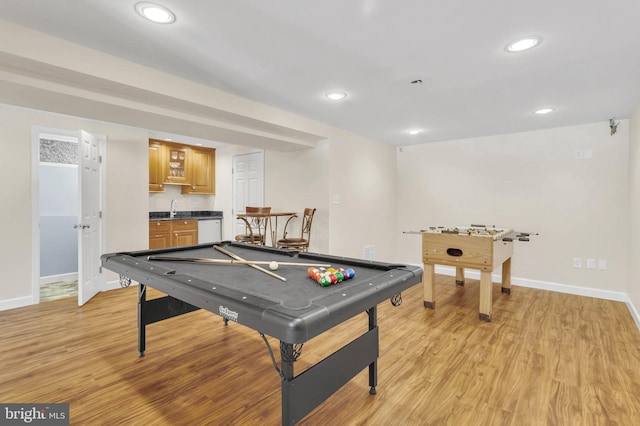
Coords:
429,285
506,276
459,276
486,300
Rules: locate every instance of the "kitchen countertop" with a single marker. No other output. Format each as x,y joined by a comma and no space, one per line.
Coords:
196,214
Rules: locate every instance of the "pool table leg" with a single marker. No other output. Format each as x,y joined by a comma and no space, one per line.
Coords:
142,303
429,285
373,367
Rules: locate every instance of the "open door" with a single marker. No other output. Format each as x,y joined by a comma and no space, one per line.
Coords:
89,244
248,185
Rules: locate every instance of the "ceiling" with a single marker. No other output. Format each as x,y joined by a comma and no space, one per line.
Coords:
290,53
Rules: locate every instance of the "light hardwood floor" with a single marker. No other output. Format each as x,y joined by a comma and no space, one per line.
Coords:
545,359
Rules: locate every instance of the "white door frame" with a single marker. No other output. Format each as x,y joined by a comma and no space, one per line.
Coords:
36,131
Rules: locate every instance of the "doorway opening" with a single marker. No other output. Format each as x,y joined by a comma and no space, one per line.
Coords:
58,213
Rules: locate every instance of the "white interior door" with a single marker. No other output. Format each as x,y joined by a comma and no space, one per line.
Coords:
89,227
248,184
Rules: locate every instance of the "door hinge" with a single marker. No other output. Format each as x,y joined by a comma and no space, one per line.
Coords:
100,215
99,158
99,269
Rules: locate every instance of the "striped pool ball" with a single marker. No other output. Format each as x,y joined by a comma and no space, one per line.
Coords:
352,272
324,281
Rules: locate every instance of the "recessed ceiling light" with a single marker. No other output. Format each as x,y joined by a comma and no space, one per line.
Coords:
543,111
336,96
523,44
414,131
155,13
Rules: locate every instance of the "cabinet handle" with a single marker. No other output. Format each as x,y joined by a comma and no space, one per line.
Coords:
158,223
185,222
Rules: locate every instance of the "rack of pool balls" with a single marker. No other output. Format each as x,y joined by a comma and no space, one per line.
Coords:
330,276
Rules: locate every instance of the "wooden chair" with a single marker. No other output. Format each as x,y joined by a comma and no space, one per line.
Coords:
302,243
256,220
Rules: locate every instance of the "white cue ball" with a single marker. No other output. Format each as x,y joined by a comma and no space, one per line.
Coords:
273,265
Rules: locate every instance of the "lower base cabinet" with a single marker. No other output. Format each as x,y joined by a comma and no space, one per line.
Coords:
172,233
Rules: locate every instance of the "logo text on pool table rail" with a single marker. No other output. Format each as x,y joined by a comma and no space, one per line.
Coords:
228,313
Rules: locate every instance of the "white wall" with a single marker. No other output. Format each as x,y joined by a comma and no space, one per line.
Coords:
633,288
297,180
531,182
363,174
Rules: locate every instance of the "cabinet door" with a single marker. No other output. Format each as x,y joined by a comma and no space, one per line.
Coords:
202,164
156,169
177,164
184,232
159,234
184,238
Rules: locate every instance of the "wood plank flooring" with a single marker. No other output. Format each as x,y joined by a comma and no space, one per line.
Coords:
545,359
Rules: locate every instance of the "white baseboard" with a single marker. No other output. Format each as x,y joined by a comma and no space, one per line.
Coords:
18,302
57,278
560,288
634,312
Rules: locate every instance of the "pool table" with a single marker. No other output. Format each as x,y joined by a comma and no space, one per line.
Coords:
291,307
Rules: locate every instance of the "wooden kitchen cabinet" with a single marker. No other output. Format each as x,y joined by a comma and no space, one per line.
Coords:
159,234
193,168
156,169
172,233
203,179
184,232
176,161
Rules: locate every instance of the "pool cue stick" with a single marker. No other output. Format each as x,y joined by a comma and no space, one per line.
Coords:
233,261
236,257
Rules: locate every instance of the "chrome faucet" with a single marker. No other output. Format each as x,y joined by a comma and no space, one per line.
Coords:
174,205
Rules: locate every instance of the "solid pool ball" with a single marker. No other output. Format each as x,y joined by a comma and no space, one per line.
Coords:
313,272
339,275
352,272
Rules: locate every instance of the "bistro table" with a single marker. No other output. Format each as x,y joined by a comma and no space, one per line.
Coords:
273,221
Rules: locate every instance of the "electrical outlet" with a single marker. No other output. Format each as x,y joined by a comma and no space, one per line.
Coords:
591,264
602,265
577,262
369,252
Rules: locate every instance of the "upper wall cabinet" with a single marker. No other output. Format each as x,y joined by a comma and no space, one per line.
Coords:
176,164
202,171
156,169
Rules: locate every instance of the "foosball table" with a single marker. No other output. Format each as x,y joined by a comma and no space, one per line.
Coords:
475,247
